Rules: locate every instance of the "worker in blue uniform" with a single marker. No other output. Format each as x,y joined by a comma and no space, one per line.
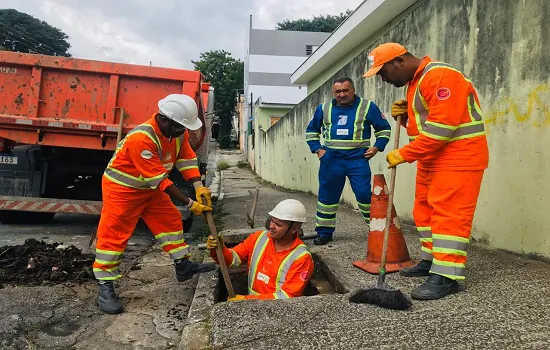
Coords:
345,123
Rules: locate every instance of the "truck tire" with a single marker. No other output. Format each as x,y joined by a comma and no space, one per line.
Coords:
8,217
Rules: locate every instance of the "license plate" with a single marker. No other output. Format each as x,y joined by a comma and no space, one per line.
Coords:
8,159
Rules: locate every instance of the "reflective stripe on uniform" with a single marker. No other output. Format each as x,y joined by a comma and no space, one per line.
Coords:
180,252
125,180
149,131
425,234
107,274
383,134
358,128
186,164
257,252
451,270
327,112
364,208
235,259
325,222
167,238
447,244
108,257
441,131
357,140
139,183
328,209
347,144
296,254
313,136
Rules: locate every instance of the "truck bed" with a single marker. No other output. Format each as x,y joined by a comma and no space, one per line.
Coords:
67,102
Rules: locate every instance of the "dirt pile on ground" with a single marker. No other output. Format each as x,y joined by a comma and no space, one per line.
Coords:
36,263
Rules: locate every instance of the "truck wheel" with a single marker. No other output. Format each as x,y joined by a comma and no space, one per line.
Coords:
22,217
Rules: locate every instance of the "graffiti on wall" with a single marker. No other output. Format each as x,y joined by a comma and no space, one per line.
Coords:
533,109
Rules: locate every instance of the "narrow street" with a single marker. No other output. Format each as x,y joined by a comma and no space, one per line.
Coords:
65,315
503,303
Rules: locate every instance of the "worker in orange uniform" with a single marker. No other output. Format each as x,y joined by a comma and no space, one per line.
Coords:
279,263
442,115
135,184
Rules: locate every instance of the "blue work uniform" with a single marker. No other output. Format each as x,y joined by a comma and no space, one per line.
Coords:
346,132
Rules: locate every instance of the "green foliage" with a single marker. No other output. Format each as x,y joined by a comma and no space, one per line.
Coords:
326,24
21,32
225,73
224,141
222,165
243,164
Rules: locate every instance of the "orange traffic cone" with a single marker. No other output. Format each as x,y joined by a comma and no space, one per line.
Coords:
398,254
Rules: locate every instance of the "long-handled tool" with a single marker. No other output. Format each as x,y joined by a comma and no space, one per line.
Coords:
219,252
382,294
250,217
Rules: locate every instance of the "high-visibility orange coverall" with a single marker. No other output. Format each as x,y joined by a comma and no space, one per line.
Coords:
449,143
271,274
133,186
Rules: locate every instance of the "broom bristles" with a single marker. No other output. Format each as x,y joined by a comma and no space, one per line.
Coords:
388,299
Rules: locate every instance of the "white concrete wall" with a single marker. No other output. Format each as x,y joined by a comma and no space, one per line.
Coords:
499,45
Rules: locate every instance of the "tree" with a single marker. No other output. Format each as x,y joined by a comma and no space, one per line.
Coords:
326,24
225,73
21,32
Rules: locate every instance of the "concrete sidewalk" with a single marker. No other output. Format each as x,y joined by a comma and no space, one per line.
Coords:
504,303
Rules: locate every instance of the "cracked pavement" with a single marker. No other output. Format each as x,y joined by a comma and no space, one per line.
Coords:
503,304
65,316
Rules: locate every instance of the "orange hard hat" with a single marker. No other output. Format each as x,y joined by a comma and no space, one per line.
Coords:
382,55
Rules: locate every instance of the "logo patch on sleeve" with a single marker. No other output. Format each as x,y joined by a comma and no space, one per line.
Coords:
443,93
303,276
146,154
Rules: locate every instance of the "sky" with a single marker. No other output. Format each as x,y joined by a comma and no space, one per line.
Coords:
168,33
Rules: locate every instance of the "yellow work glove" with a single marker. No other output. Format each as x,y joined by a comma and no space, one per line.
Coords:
237,297
198,208
211,242
394,158
204,191
399,108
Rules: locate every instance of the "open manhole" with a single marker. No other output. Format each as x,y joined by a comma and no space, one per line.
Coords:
323,281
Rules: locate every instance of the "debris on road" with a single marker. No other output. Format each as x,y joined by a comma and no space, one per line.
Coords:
36,263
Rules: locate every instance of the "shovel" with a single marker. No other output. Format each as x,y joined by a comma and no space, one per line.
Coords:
219,252
250,217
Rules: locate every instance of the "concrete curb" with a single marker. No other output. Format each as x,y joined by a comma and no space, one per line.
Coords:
196,332
215,187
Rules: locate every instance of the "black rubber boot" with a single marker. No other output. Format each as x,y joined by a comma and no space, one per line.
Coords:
185,269
435,287
107,299
419,270
322,240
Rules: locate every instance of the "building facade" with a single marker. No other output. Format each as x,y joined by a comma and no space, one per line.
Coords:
271,58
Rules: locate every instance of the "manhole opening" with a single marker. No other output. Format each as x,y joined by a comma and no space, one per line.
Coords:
323,281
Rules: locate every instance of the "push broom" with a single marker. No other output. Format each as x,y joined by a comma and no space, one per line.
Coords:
381,293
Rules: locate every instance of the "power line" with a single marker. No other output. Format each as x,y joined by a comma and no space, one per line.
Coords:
20,36
32,39
15,40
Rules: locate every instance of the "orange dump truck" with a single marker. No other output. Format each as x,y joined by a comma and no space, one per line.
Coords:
61,118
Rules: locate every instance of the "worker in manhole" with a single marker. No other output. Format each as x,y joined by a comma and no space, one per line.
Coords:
135,184
443,119
345,123
279,263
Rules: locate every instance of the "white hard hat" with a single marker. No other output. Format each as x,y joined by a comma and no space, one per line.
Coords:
182,109
289,210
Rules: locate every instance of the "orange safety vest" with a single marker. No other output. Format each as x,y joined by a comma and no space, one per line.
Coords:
271,275
445,123
144,159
